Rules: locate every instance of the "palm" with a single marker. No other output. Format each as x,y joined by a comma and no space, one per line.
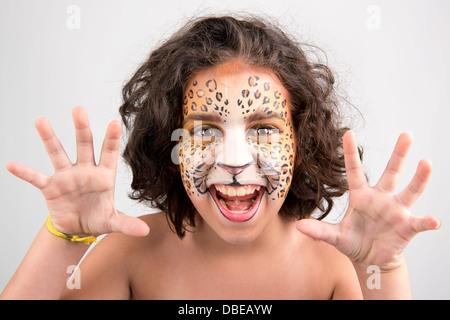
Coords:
378,225
80,196
374,230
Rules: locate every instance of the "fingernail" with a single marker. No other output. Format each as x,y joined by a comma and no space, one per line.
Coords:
437,224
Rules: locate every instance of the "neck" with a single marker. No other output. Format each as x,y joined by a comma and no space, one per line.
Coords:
273,238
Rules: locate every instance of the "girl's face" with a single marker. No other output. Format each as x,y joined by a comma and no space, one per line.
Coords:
237,153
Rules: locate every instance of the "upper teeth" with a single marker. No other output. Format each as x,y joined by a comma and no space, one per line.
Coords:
236,191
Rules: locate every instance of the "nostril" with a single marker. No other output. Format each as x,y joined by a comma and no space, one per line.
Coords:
234,169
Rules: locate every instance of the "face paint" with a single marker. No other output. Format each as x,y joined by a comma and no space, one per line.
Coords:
238,154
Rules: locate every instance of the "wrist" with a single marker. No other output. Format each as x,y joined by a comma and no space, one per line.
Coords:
389,281
385,267
73,238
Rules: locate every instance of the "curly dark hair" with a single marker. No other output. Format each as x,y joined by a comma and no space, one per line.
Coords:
152,110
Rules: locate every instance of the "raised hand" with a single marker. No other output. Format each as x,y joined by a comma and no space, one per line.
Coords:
80,196
378,225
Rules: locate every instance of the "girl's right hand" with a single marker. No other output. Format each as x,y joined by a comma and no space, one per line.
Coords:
80,196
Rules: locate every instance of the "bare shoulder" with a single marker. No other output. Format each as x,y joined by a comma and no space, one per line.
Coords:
159,226
117,257
160,234
322,251
124,250
335,266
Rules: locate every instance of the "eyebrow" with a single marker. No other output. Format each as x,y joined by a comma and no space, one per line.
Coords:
261,115
211,117
214,117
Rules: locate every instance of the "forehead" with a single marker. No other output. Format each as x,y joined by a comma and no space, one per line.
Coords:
235,89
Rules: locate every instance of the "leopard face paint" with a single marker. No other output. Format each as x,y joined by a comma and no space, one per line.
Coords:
238,154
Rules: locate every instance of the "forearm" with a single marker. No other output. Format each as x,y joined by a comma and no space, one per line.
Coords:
377,284
43,272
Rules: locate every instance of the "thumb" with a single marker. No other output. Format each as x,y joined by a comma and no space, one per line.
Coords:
129,225
319,230
421,224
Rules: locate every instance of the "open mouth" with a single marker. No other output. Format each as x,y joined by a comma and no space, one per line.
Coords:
237,203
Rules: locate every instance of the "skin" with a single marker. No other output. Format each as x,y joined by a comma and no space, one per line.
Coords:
264,258
239,120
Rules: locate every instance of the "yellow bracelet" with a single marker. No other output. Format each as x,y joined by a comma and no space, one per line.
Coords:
52,229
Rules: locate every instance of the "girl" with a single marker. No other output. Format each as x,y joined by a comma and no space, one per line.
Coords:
235,136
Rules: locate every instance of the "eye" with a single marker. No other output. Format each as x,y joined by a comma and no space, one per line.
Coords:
262,133
206,133
262,130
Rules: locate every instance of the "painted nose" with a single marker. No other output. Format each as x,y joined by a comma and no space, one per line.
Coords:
234,170
235,154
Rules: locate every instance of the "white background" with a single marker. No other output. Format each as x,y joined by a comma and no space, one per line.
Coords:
391,57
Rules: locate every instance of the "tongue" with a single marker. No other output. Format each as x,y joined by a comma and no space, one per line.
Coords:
236,205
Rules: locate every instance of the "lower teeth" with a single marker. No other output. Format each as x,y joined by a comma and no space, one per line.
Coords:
222,202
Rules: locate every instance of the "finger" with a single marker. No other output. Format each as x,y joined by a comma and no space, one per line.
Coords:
52,145
129,225
30,175
416,187
394,168
111,145
421,224
85,150
355,175
319,230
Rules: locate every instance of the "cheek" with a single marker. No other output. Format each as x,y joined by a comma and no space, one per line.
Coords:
276,159
286,155
196,158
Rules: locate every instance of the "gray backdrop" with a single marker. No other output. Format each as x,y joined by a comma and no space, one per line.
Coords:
392,59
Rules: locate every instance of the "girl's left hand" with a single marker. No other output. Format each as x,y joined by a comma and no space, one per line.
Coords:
378,224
